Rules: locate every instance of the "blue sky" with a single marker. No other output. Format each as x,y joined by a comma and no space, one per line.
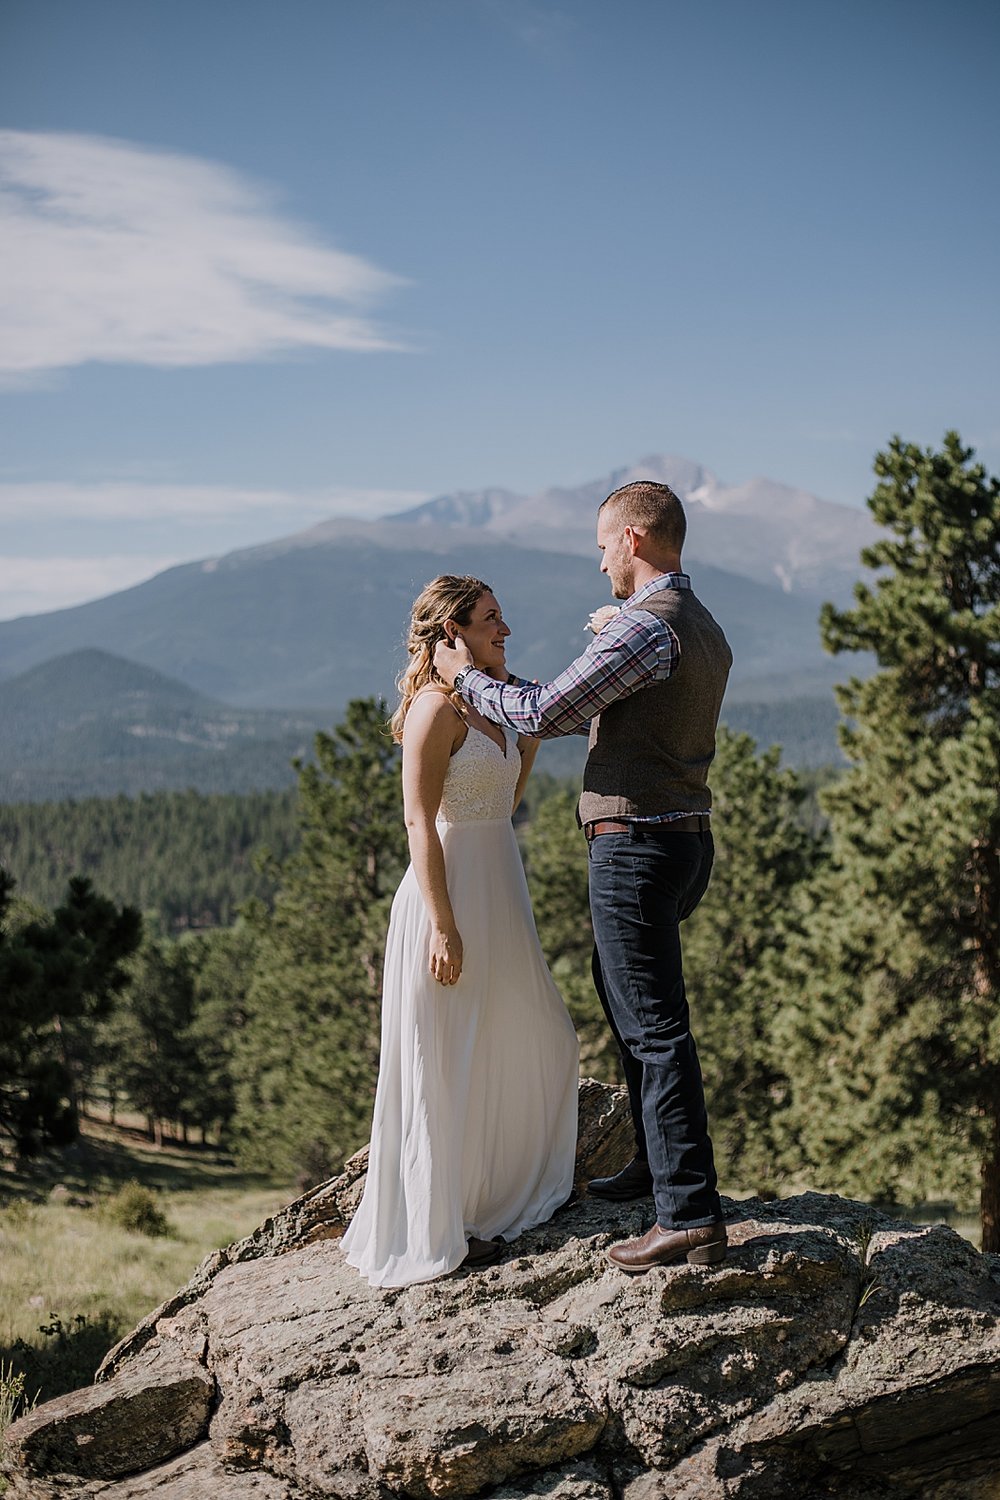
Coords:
263,262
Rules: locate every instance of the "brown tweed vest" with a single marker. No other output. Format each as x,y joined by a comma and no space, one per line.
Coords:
650,752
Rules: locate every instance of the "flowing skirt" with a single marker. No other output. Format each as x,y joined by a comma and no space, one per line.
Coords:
476,1108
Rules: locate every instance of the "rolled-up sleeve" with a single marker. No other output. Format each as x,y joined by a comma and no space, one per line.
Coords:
633,650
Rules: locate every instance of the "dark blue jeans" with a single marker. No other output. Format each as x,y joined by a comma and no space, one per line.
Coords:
642,886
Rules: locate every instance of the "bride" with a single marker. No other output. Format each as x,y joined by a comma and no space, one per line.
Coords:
474,1134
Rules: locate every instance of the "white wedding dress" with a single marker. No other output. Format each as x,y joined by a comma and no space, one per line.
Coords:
476,1108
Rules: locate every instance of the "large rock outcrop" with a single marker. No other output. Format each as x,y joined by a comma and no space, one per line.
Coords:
834,1353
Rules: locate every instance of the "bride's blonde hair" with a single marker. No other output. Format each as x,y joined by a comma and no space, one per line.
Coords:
446,598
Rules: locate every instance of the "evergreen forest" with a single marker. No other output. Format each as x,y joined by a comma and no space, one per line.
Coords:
187,859
214,963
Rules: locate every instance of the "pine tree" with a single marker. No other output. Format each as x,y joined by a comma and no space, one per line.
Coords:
188,857
222,965
307,1060
59,974
892,1025
149,1055
763,856
556,860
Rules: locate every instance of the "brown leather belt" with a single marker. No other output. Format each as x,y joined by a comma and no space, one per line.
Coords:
695,823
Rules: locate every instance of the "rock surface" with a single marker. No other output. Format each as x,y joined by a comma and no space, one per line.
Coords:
160,1405
834,1353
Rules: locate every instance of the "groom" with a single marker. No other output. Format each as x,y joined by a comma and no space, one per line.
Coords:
650,689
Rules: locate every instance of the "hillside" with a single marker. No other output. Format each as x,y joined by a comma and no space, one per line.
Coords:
314,626
92,723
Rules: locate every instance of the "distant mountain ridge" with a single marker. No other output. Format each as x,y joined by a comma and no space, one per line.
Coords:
83,683
762,530
306,622
91,723
314,625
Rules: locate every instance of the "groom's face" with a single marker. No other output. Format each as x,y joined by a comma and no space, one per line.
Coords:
616,554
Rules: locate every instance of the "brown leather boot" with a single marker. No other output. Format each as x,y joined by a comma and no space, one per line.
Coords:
703,1246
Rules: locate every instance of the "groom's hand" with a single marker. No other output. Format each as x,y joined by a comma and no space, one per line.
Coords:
450,659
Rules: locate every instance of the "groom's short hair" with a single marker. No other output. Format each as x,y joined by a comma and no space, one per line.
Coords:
652,508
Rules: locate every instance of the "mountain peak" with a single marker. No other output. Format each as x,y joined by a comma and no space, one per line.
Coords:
463,508
684,476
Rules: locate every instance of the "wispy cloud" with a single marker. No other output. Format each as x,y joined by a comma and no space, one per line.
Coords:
543,28
35,585
123,501
114,252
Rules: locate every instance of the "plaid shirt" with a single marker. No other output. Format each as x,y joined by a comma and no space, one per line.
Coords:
634,650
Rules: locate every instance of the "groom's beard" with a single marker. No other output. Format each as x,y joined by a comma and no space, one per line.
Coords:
621,577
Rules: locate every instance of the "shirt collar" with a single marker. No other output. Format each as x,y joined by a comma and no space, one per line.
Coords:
657,586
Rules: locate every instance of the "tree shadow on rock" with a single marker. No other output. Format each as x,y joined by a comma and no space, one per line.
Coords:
67,1357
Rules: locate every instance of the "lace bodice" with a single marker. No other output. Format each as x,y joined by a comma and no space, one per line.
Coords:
480,782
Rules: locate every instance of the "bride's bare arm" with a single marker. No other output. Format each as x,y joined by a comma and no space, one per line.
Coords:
429,738
528,749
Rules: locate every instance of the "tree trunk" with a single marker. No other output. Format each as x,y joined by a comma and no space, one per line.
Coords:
986,978
158,1133
990,1194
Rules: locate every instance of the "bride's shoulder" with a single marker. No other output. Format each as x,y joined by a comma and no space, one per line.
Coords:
434,698
434,708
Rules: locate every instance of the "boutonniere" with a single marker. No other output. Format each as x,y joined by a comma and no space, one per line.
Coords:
600,617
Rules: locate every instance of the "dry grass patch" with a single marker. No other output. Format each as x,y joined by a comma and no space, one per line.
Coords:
75,1278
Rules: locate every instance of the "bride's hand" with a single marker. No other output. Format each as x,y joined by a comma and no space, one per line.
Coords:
446,955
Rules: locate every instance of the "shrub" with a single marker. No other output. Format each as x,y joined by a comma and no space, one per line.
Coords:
14,1401
135,1208
68,1359
17,1214
315,1166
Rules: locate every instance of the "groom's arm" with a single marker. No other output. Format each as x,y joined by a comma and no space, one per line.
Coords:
632,651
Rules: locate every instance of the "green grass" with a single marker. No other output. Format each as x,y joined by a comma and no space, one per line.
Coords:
74,1280
962,1220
